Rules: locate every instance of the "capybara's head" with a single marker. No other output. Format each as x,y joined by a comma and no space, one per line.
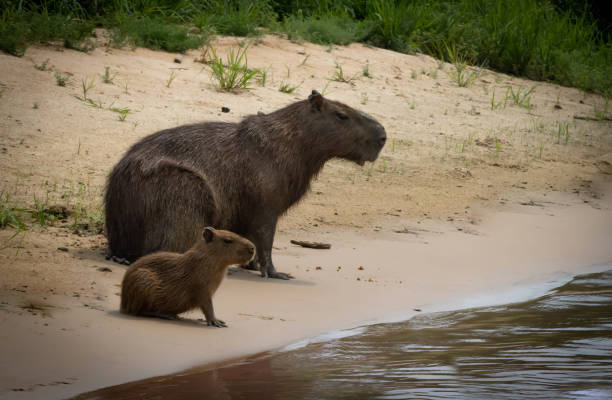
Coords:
356,136
227,246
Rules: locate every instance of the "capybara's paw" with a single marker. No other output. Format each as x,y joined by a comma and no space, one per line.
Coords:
279,275
217,322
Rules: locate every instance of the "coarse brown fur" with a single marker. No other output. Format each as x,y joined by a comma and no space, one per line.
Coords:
240,177
165,284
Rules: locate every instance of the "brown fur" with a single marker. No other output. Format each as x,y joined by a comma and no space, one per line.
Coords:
240,177
165,284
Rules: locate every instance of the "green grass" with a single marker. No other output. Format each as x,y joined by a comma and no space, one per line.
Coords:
339,76
237,17
40,214
234,73
10,216
60,79
171,79
155,33
365,71
87,85
43,66
19,28
286,87
123,112
563,132
326,30
108,77
531,38
522,97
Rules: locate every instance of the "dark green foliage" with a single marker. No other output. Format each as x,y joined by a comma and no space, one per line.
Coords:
328,29
556,40
13,36
19,29
238,17
154,33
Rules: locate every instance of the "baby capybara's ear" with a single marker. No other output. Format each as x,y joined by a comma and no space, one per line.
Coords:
208,234
316,99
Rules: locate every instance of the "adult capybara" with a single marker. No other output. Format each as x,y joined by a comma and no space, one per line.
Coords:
165,284
235,176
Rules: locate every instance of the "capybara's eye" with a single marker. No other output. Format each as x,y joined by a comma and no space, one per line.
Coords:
341,116
228,240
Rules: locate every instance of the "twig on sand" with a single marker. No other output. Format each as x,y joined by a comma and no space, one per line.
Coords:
312,245
586,118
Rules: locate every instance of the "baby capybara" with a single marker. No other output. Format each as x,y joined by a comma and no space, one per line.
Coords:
236,176
165,284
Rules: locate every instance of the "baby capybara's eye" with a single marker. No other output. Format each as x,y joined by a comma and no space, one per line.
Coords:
228,240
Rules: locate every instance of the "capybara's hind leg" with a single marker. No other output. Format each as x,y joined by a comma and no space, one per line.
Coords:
182,204
162,315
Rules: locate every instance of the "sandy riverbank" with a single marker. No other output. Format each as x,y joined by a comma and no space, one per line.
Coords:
466,200
65,345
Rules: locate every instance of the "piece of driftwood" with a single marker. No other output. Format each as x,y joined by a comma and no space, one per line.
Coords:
312,245
586,118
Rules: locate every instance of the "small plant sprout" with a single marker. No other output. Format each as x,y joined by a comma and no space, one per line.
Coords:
338,75
107,77
324,90
366,70
498,146
10,216
495,105
262,77
601,112
462,75
304,60
541,148
171,79
563,132
43,66
87,85
60,79
521,98
125,88
286,87
123,112
40,214
235,73
35,106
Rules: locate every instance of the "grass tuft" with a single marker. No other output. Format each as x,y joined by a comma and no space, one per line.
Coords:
235,73
286,87
60,79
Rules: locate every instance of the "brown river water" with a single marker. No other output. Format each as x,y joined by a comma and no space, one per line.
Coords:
557,346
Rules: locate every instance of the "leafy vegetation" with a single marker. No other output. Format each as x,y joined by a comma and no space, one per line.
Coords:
235,73
553,40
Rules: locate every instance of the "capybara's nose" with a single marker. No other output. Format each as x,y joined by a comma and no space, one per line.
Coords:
382,140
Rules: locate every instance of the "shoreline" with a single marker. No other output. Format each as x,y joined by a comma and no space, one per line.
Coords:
105,348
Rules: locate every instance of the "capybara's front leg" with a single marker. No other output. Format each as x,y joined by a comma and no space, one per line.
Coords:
263,240
209,312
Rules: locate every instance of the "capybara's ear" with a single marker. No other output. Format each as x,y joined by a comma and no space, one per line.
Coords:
208,234
315,99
